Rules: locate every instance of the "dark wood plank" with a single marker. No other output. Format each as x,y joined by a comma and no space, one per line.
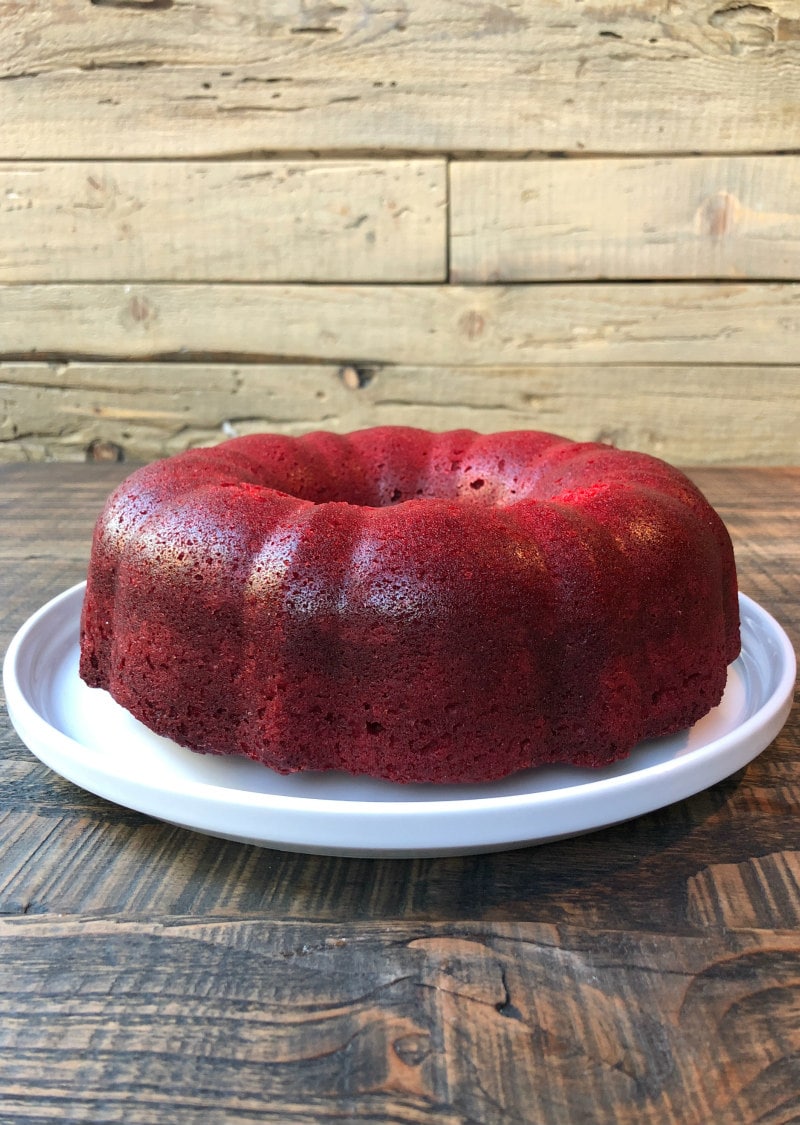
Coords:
646,973
727,856
482,1023
66,850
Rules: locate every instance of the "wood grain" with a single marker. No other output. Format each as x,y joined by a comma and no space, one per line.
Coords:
690,415
178,178
427,324
698,217
644,974
128,78
443,1022
754,891
373,220
66,851
63,850
379,220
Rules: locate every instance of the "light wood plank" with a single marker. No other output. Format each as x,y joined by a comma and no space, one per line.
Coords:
660,218
516,325
359,220
195,79
689,415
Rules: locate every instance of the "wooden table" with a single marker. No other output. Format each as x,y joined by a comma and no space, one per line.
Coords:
646,973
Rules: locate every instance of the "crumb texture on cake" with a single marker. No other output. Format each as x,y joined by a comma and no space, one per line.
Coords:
410,605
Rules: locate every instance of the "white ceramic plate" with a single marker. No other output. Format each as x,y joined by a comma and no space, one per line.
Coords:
82,734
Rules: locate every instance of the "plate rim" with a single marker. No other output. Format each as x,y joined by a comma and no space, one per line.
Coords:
768,718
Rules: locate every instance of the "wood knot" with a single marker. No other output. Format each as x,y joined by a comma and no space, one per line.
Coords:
99,450
718,215
748,26
412,1049
138,312
608,435
355,378
472,324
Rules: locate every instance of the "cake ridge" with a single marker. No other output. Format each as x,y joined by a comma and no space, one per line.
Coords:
411,605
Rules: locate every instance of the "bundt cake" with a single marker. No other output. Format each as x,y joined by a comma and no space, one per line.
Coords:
409,605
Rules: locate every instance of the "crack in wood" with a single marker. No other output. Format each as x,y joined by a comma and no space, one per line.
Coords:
135,5
123,64
234,109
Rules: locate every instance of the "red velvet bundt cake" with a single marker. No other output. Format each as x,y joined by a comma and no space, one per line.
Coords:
408,605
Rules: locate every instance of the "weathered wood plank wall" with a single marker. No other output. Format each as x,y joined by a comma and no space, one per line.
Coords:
357,220
687,217
292,214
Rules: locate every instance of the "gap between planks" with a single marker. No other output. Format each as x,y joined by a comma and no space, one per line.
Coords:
456,156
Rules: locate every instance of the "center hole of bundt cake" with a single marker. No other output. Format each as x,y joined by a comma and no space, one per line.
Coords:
387,485
467,489
388,494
